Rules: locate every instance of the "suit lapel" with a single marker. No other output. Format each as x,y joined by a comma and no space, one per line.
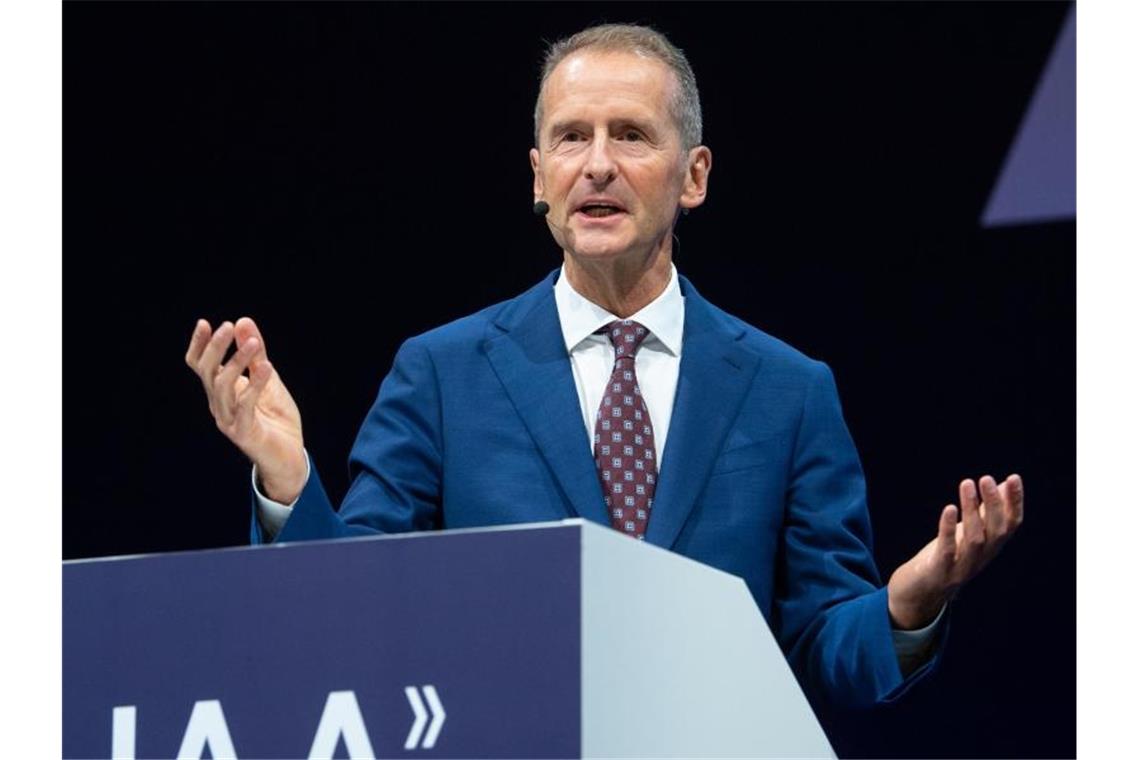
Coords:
716,373
528,354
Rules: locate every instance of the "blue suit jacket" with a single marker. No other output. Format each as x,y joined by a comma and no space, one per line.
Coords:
478,423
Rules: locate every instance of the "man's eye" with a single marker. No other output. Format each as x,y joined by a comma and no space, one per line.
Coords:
632,136
571,137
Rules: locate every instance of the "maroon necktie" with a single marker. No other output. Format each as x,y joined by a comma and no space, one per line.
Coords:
623,436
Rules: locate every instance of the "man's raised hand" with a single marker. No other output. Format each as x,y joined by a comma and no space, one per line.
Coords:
256,412
919,587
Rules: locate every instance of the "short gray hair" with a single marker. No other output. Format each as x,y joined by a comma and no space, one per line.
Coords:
633,38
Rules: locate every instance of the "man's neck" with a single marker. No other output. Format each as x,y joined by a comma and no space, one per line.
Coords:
621,287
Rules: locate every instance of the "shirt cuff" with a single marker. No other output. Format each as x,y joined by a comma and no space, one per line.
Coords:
913,647
273,514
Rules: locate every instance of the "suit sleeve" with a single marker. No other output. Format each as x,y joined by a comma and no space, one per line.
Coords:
830,604
395,464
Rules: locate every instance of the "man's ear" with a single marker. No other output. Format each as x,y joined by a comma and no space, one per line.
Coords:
696,177
536,167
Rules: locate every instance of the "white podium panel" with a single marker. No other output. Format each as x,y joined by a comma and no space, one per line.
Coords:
677,661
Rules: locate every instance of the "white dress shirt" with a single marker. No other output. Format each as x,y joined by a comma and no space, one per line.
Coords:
658,365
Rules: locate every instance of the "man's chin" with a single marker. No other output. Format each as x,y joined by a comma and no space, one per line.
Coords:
598,255
598,248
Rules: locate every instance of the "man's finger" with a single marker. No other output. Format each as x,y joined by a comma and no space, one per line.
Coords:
973,532
947,531
244,329
259,373
211,357
995,508
198,339
1013,495
225,383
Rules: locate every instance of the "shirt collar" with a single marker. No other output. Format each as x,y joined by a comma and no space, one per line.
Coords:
580,318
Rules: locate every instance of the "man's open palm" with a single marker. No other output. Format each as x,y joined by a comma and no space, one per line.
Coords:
919,587
256,413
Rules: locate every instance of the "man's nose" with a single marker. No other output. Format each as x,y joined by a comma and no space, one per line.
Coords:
600,167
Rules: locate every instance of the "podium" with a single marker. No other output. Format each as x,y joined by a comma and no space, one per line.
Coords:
558,639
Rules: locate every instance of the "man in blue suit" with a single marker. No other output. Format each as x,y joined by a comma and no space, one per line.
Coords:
562,402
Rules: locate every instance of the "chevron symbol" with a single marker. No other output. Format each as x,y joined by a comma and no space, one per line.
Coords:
437,717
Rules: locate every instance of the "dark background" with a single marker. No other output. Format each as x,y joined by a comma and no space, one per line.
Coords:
351,175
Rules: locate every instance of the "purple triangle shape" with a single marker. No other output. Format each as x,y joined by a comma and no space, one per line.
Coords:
1038,182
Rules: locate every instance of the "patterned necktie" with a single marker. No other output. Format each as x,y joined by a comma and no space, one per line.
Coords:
623,436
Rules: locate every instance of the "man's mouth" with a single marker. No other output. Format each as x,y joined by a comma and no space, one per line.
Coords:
599,209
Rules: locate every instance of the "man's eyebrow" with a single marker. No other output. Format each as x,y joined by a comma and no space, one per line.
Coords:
645,125
562,126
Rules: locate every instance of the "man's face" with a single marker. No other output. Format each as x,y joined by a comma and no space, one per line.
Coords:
610,160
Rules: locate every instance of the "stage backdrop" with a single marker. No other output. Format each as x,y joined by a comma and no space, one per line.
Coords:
352,174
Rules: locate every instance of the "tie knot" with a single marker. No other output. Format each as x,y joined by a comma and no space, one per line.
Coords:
626,335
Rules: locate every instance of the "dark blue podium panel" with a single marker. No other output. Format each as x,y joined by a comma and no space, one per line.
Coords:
457,644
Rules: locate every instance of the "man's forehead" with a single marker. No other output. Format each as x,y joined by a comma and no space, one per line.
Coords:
589,66
645,83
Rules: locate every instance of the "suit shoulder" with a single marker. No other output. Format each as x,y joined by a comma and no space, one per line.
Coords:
470,331
465,331
775,352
